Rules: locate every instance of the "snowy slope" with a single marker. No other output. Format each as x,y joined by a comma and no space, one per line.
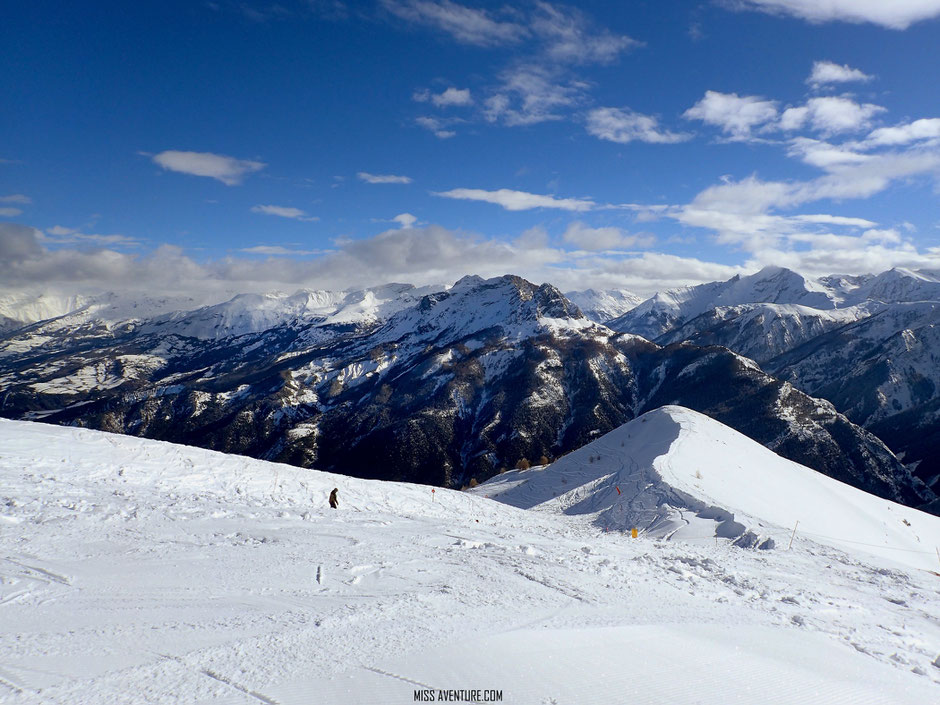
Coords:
676,473
605,304
60,312
135,571
763,331
253,313
776,285
19,309
667,310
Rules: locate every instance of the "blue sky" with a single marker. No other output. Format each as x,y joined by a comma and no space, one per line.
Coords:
236,145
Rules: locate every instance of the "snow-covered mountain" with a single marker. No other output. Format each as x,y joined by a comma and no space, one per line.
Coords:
62,312
867,345
669,309
17,310
455,387
677,474
254,313
892,286
762,331
136,569
603,305
883,372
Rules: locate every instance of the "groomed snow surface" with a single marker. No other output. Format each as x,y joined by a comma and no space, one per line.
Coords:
136,571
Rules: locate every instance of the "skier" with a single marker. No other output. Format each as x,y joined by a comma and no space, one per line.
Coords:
334,503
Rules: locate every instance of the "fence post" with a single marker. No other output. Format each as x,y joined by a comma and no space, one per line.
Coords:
792,535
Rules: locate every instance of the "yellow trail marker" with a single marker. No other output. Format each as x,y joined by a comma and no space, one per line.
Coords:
633,533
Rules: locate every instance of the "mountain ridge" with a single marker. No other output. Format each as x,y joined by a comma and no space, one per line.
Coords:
455,387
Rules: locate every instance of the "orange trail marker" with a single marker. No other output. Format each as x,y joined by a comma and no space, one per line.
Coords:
633,533
618,489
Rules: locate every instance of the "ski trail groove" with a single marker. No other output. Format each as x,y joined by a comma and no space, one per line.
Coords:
10,684
54,577
222,679
401,678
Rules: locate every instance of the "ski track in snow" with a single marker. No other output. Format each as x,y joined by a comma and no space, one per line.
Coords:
142,572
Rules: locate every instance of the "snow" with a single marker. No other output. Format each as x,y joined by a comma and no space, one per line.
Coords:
30,308
101,375
136,571
776,285
681,473
254,313
604,305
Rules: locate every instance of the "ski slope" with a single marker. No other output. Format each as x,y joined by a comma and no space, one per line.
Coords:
136,571
676,473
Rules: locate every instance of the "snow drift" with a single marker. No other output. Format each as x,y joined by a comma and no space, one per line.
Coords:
676,473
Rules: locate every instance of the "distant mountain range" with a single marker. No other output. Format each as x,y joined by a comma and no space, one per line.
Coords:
868,344
444,385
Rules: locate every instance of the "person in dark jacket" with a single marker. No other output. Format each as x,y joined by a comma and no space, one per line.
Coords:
334,503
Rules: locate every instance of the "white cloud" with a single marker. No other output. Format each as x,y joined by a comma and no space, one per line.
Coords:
823,154
539,84
278,251
16,198
606,238
643,274
465,24
735,115
383,178
495,106
421,256
871,176
832,114
436,126
229,170
283,212
405,220
10,212
518,200
623,126
571,38
720,206
565,34
845,255
888,236
427,255
534,238
452,96
749,195
746,214
924,129
533,93
793,118
893,14
825,72
834,220
58,235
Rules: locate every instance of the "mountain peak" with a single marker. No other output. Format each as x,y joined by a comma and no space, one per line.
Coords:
678,474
